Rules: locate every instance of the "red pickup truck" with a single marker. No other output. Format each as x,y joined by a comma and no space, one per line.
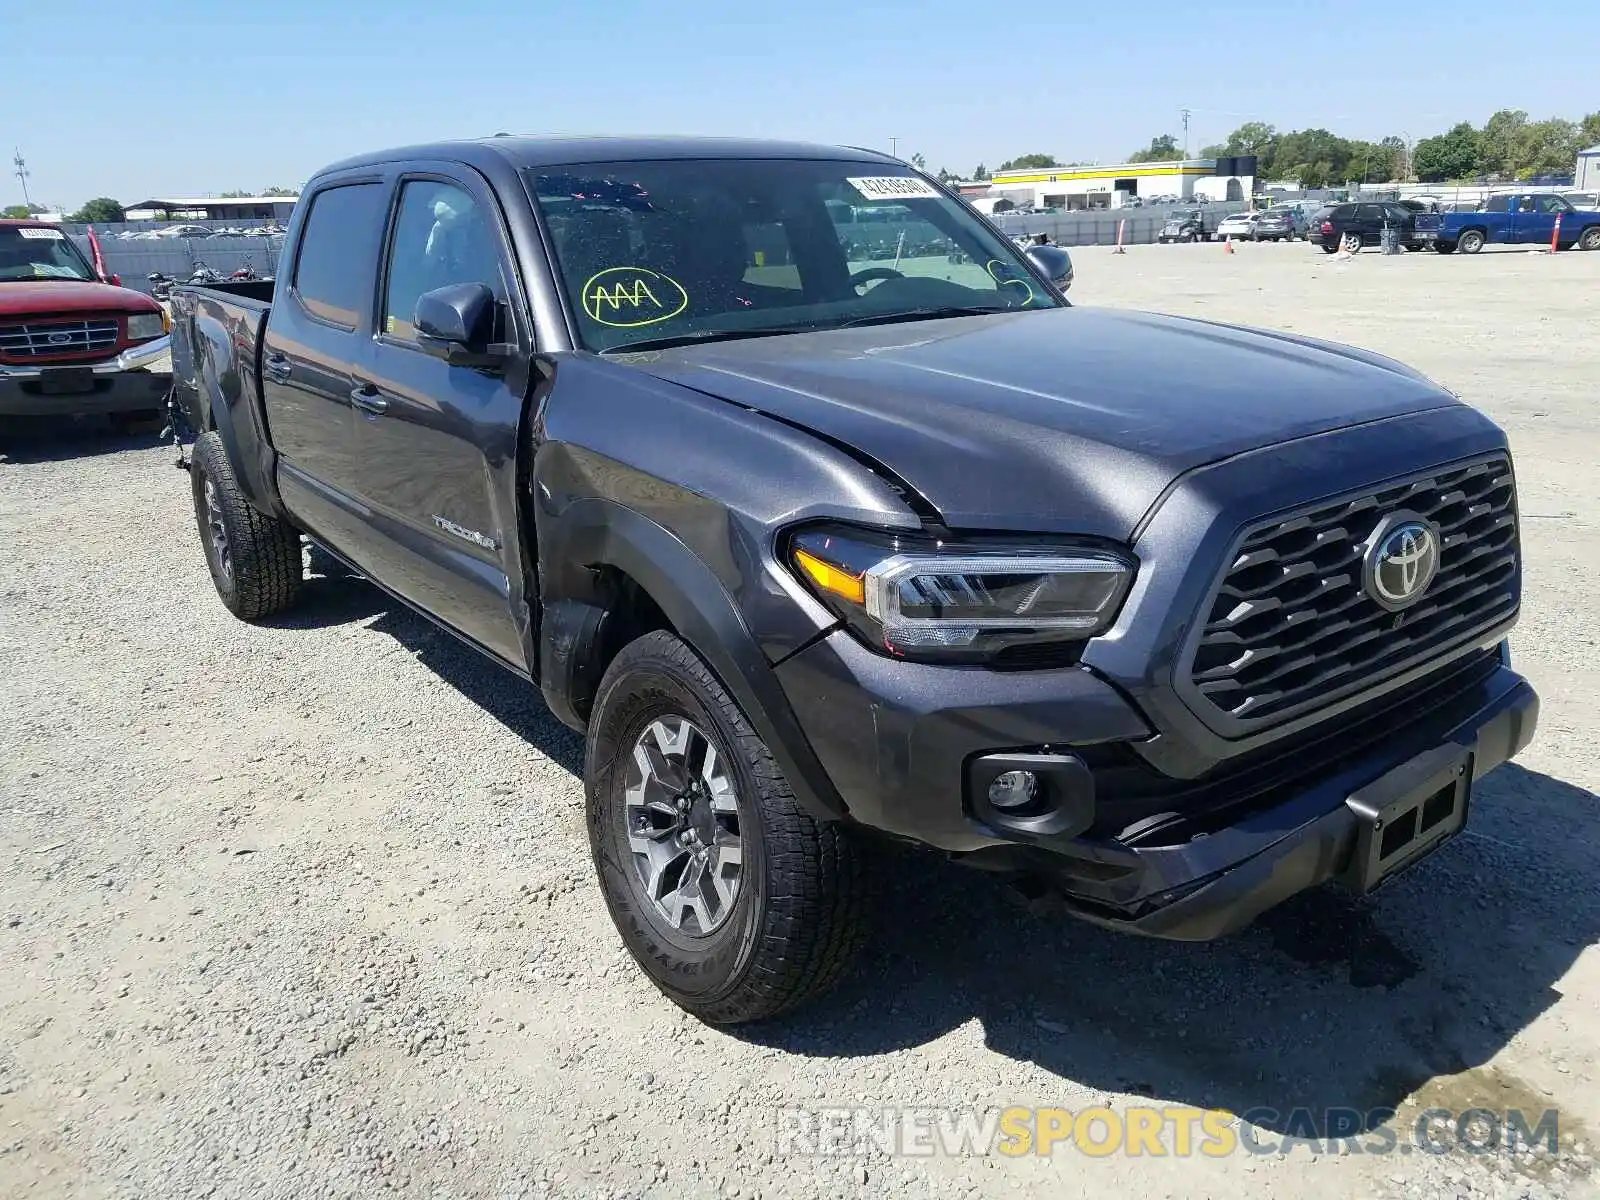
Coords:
72,341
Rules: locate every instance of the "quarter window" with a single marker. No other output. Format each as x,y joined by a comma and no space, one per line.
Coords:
440,238
333,269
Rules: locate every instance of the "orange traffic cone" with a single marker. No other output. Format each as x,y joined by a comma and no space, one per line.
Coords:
1228,242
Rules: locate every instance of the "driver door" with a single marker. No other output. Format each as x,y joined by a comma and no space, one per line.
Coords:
435,445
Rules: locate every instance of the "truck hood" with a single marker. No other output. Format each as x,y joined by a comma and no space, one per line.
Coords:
51,297
1073,420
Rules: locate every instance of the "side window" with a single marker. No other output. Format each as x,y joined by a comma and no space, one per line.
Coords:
1497,204
1371,212
441,237
332,271
1524,204
1552,204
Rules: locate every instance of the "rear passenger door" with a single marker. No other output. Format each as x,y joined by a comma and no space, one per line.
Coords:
314,346
1369,221
430,437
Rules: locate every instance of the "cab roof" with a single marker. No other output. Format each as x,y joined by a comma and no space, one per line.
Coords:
558,151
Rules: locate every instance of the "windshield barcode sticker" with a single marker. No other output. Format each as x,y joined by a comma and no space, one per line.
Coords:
41,235
895,187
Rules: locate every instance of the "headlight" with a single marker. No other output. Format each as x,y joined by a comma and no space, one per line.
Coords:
144,326
917,598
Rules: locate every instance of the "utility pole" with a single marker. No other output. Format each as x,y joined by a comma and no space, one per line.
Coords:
22,176
893,143
1185,113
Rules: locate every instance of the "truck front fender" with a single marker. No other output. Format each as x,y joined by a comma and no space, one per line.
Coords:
591,535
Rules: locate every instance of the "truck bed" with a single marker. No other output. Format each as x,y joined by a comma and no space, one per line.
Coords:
216,345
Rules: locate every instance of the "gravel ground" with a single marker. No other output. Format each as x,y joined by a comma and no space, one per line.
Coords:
306,910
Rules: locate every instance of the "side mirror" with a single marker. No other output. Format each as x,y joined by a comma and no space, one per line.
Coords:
1054,263
116,280
456,322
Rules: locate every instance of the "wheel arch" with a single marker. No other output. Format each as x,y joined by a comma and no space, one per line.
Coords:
621,575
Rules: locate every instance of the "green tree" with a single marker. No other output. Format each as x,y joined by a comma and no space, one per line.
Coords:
1549,147
1027,161
919,162
1163,148
1450,155
1399,157
980,173
101,210
20,212
280,191
1589,131
1503,143
1215,150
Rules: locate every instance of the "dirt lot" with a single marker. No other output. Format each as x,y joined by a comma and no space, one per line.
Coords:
306,910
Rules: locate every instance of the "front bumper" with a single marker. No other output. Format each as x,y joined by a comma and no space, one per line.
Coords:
135,380
900,740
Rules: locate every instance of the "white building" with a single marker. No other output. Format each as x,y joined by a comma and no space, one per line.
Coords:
1113,185
1586,175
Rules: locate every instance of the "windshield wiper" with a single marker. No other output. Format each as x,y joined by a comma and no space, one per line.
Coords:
928,314
703,335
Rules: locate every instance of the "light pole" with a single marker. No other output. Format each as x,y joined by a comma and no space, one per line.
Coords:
22,176
893,144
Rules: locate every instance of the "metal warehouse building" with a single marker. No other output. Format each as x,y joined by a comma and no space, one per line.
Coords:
1113,185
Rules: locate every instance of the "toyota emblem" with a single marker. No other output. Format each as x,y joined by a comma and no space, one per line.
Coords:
1402,557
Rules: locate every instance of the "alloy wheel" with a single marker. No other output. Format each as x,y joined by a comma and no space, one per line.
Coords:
682,813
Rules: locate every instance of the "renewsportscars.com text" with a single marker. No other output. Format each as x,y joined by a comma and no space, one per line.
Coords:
1156,1131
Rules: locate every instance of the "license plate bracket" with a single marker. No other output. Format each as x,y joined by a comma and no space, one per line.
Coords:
66,381
1407,814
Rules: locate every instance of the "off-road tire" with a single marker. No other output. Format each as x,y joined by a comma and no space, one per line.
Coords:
800,913
265,568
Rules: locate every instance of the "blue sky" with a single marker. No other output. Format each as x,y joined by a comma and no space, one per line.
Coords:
106,99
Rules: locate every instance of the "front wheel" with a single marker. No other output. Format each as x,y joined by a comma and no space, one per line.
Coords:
1589,239
735,901
254,558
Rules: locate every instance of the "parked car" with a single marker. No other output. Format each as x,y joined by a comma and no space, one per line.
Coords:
1279,225
1587,201
74,342
1241,225
1071,594
1191,225
1349,227
1520,218
183,231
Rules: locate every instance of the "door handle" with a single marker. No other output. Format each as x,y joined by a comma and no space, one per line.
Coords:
366,398
277,368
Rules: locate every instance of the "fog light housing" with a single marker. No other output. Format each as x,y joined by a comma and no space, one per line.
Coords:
1014,791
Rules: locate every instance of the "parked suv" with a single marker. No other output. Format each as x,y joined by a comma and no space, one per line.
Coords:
1278,225
71,341
1349,227
814,547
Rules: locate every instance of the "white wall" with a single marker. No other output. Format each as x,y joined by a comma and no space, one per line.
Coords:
1586,177
1215,187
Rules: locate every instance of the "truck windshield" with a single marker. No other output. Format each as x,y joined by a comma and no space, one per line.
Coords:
37,252
697,249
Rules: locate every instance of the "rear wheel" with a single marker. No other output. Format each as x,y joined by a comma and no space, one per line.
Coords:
254,558
1445,247
1327,249
1350,243
1589,239
1470,242
735,901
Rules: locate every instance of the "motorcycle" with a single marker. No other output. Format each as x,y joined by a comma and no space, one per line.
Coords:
160,284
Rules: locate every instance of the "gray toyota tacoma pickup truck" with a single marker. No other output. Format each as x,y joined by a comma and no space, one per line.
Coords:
1164,619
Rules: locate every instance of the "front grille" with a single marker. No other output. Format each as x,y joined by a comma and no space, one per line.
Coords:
1292,626
45,339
